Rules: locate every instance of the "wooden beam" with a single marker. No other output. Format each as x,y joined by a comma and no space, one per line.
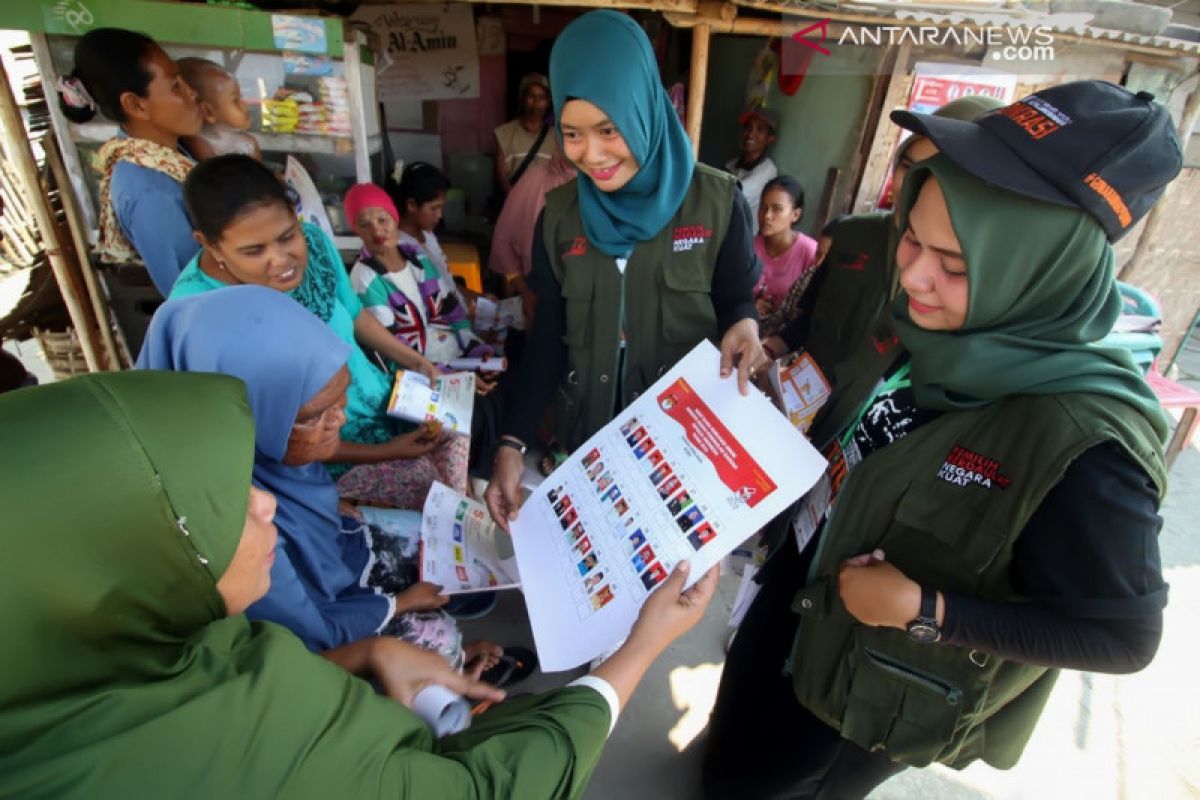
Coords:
884,135
875,108
16,144
696,84
78,229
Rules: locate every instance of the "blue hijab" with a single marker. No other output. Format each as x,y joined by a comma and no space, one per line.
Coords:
284,355
605,58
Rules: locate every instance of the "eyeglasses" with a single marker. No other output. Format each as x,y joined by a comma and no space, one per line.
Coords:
331,417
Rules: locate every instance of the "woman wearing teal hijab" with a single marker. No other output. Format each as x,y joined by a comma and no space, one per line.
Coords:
131,671
990,515
636,261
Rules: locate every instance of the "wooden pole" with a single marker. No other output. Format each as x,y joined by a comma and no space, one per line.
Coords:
880,151
75,225
16,143
697,80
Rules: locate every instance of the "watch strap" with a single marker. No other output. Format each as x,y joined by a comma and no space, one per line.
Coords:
520,447
928,612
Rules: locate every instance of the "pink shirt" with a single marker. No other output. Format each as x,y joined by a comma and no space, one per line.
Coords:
780,272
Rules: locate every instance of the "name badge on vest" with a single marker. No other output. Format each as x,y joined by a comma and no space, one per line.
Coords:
813,509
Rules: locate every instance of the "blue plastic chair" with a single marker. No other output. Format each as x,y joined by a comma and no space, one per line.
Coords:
1145,346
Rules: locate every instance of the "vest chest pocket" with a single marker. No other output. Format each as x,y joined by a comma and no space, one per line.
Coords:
967,532
685,300
577,290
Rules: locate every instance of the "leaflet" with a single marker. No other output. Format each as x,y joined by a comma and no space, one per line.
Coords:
802,388
450,400
498,315
461,549
452,543
690,470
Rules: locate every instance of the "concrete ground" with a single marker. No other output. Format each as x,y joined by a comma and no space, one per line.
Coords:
1102,737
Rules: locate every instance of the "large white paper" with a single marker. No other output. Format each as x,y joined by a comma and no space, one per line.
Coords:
450,400
460,548
689,470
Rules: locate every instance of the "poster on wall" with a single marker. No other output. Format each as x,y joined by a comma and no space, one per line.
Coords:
934,85
428,52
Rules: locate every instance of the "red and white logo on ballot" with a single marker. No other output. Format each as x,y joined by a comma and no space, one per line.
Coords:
964,467
688,236
735,467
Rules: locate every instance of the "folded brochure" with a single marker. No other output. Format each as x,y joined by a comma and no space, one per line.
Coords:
462,550
449,400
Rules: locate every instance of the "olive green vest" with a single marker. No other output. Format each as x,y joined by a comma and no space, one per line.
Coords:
662,302
855,286
946,504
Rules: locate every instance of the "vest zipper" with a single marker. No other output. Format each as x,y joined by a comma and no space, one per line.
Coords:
622,344
916,677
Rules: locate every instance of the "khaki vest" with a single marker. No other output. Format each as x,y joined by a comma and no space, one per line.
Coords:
945,503
662,302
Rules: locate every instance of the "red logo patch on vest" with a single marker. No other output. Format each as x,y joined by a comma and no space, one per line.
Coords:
964,467
884,344
858,263
578,247
688,236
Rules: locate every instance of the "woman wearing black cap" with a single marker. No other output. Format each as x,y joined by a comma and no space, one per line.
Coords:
990,513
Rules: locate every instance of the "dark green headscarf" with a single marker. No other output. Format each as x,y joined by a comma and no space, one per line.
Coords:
122,676
1042,293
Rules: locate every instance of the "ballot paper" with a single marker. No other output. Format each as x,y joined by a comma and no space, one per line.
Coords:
461,548
690,470
449,400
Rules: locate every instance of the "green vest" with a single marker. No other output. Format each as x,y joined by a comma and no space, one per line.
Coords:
855,288
662,302
946,504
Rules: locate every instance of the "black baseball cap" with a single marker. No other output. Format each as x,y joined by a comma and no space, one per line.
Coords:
1088,144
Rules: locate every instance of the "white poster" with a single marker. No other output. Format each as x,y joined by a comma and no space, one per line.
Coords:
429,51
689,470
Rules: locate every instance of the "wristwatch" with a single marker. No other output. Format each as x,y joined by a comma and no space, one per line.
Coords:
924,628
514,443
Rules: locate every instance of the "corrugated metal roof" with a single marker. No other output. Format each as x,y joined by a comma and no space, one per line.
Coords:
984,12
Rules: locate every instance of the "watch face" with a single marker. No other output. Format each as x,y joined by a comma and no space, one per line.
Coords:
924,632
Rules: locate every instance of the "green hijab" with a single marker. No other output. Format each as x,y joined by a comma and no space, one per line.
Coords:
124,497
1041,294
